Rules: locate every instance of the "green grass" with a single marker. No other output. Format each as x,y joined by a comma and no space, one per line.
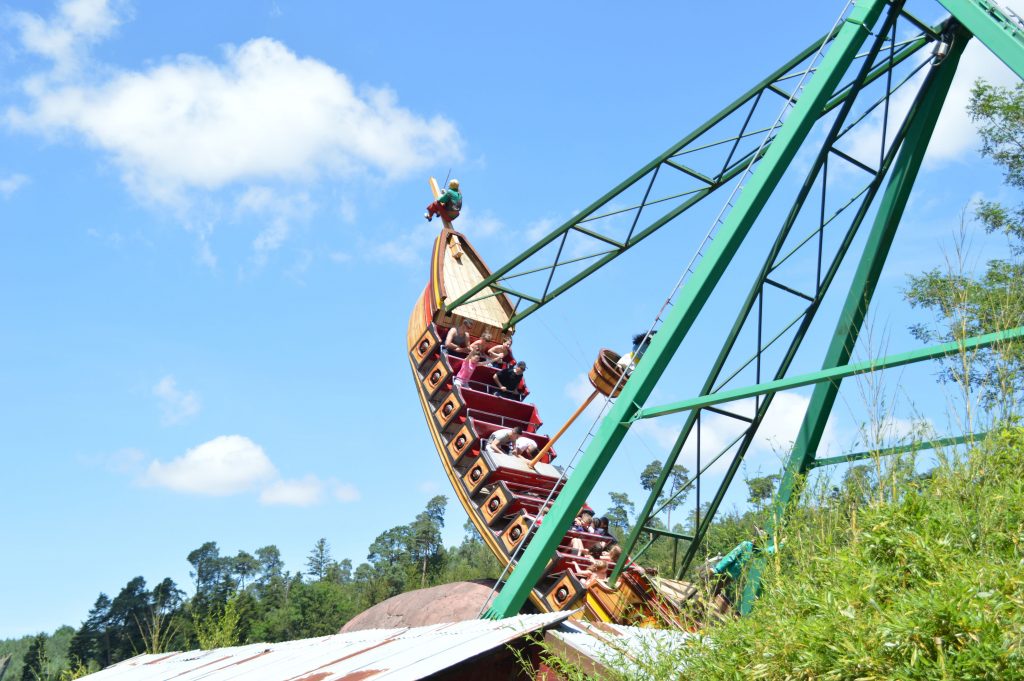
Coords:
909,577
913,578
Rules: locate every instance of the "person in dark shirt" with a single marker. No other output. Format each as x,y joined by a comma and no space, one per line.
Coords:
508,381
448,205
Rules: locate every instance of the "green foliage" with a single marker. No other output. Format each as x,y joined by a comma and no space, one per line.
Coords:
319,560
999,113
55,653
677,477
35,665
964,304
761,489
218,628
75,670
619,511
250,597
912,578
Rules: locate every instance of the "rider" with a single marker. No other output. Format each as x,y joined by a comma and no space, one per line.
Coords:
448,205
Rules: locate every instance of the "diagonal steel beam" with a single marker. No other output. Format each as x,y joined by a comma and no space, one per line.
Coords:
923,117
728,173
851,35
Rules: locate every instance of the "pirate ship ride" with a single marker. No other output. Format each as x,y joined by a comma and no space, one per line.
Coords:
504,494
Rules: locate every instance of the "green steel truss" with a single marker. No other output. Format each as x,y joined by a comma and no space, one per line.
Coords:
840,82
708,158
999,29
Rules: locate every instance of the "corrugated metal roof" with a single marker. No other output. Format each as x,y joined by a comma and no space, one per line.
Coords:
370,654
617,646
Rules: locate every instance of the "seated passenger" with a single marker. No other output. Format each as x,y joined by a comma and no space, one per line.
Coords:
482,345
466,370
584,522
501,441
508,382
501,353
601,527
525,447
596,576
612,553
458,338
640,343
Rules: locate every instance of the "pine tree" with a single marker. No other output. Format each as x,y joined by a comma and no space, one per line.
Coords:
35,660
319,561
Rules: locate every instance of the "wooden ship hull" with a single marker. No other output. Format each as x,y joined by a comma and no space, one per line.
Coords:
501,493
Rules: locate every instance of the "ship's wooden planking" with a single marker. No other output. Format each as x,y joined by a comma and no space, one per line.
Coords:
463,273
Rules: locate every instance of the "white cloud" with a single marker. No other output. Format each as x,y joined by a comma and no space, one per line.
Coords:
955,134
774,438
347,210
539,229
782,424
175,405
225,465
486,224
346,492
892,430
304,492
262,113
11,184
662,431
125,461
340,257
281,210
65,37
410,248
205,254
579,388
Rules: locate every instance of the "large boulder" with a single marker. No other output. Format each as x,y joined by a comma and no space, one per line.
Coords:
445,603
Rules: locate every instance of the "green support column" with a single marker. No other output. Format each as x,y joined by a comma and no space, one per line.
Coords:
692,297
924,115
851,93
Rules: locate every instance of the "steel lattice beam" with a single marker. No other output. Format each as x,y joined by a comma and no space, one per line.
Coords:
923,118
646,177
823,281
853,32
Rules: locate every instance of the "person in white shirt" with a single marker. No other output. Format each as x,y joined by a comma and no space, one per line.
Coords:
501,441
525,447
640,342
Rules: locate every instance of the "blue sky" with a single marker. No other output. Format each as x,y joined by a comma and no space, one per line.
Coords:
211,216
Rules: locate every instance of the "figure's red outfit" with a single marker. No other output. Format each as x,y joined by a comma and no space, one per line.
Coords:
437,208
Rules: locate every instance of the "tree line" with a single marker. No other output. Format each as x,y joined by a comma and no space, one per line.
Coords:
252,596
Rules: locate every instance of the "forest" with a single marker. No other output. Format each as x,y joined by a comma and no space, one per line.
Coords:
253,596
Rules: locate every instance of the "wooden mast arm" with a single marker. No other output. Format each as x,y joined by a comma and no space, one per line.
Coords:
561,431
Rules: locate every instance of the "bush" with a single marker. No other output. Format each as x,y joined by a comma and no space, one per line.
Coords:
920,580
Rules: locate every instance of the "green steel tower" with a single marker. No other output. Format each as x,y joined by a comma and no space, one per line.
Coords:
841,82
